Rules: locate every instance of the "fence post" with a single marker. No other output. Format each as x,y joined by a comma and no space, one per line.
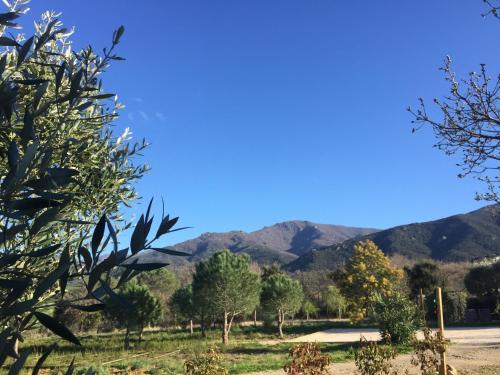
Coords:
444,367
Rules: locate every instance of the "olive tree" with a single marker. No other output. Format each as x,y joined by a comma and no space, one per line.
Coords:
227,283
61,171
281,296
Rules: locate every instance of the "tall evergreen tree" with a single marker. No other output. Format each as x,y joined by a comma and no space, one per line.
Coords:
226,285
281,296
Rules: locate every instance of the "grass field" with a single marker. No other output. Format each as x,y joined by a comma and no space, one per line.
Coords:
164,352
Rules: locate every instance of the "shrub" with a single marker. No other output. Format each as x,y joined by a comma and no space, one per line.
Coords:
428,352
374,359
137,365
455,305
208,363
307,360
397,317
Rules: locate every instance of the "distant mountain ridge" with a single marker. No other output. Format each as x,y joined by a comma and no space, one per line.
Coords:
456,238
303,245
282,242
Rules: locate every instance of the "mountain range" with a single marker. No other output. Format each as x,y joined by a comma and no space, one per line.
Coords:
303,245
281,243
460,237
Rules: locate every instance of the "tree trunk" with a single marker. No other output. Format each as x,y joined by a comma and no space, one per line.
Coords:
202,325
225,330
307,316
280,323
141,330
340,313
14,343
126,341
191,327
255,318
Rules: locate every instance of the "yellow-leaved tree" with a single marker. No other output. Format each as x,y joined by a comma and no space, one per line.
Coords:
368,275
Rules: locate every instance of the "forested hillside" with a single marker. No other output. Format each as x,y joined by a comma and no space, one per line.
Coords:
456,238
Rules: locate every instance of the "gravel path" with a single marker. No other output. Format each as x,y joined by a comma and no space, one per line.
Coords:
457,335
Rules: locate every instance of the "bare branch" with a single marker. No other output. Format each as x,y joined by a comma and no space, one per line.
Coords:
469,125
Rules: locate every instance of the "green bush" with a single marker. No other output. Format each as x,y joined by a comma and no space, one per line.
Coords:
397,317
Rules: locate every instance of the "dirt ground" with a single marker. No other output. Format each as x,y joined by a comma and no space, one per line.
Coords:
469,360
474,351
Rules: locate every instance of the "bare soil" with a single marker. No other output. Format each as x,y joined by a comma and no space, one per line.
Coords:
474,351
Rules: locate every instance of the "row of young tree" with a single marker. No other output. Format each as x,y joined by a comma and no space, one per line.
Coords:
369,287
228,288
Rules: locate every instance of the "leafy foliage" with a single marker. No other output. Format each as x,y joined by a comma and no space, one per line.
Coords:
484,281
309,309
334,300
208,363
314,284
455,305
181,304
307,360
144,308
77,319
369,275
423,276
281,296
374,359
162,283
60,169
397,317
225,285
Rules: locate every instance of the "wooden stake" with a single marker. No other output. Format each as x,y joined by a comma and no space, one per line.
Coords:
444,367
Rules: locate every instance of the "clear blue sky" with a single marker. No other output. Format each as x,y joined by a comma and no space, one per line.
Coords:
263,111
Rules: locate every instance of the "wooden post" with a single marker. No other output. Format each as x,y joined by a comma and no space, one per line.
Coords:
444,367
